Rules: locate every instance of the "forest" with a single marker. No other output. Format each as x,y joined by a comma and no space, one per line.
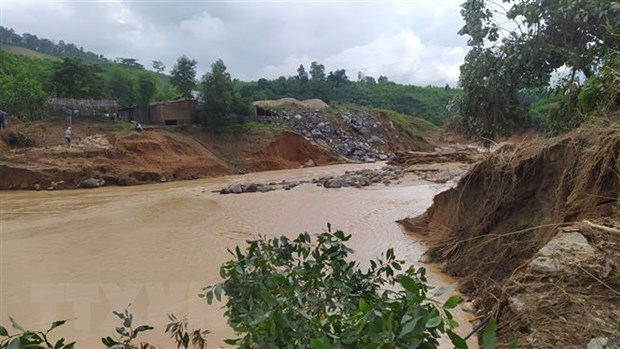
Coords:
66,71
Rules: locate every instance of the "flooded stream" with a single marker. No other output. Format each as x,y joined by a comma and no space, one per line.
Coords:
83,253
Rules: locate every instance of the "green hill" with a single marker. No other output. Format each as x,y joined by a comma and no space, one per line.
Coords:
22,51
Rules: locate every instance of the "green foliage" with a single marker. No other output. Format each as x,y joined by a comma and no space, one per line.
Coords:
411,127
183,75
22,90
72,78
45,46
429,103
305,294
32,339
221,100
125,336
548,35
145,89
121,86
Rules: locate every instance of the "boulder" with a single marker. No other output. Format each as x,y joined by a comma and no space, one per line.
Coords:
369,159
92,183
309,163
376,140
265,188
335,183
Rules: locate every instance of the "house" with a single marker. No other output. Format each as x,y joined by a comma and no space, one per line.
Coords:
179,112
126,113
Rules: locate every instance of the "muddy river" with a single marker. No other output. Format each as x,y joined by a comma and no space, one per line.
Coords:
83,253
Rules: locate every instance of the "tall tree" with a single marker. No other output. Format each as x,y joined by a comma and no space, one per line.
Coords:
183,75
121,86
72,78
221,100
302,75
317,71
548,35
145,89
159,66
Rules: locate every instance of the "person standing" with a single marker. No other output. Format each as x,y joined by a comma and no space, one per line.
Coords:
68,135
4,118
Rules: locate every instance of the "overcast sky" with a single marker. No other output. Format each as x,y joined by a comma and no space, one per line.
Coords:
411,41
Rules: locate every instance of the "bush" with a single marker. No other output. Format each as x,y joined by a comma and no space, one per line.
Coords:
305,294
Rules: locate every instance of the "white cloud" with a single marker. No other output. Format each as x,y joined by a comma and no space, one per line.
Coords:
262,39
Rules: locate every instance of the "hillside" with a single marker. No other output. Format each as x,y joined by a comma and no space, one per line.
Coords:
22,51
34,156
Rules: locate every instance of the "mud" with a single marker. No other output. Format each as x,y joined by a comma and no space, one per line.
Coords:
507,207
154,246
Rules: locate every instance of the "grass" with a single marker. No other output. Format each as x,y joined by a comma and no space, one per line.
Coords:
22,51
414,127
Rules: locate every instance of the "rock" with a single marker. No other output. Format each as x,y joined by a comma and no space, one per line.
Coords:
516,305
309,163
469,307
265,188
604,343
545,265
564,250
425,259
298,117
376,140
335,183
163,179
232,189
37,187
91,183
317,134
369,159
251,188
382,157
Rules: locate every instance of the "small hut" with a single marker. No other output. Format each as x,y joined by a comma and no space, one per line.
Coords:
178,112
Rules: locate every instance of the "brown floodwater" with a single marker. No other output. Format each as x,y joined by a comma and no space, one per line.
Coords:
82,253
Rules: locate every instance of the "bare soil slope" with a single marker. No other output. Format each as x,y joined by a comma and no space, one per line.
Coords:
508,207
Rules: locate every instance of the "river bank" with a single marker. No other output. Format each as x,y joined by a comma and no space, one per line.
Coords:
84,253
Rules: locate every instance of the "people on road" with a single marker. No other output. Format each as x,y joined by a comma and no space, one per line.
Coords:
68,136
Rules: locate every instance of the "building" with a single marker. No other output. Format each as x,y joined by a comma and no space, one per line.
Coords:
179,112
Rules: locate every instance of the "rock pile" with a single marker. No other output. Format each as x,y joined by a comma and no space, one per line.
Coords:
356,179
354,136
362,178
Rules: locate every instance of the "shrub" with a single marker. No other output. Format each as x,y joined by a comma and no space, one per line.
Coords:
305,294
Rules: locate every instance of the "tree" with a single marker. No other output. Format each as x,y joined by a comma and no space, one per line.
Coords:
72,78
309,294
145,89
548,35
183,75
301,74
221,100
159,66
383,79
121,86
338,77
129,63
317,71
